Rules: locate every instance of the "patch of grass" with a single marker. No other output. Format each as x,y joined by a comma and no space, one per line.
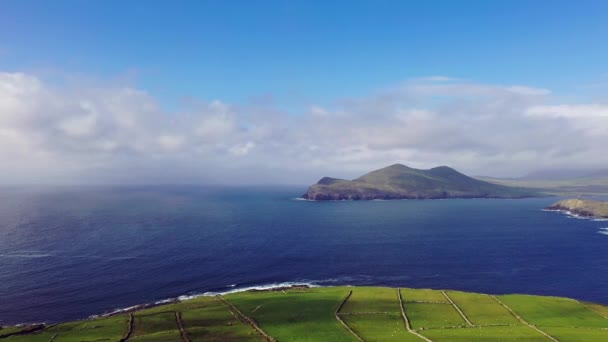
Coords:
153,324
110,328
214,322
380,327
372,299
179,306
577,334
422,295
517,333
37,337
220,334
600,309
482,309
423,315
553,311
4,331
165,336
296,315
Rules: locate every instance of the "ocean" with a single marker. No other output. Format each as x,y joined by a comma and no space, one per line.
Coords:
70,252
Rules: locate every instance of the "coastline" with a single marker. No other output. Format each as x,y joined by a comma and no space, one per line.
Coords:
574,215
233,289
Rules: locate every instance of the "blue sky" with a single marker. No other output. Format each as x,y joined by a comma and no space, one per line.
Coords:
299,52
290,91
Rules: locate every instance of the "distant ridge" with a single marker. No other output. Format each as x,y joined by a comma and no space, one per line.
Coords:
398,181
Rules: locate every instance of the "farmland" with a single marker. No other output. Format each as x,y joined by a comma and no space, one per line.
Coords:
339,314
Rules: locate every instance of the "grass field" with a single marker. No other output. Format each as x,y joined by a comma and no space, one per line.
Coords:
371,313
424,315
519,333
296,315
422,295
554,311
380,327
578,334
482,309
150,324
372,299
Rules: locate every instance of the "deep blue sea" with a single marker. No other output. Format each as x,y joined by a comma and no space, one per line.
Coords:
67,253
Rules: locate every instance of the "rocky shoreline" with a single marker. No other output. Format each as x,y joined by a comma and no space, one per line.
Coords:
582,208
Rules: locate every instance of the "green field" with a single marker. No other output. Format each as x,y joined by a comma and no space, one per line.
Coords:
482,309
554,311
423,315
365,314
422,295
379,327
508,333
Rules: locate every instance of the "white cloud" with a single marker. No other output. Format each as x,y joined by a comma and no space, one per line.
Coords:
170,142
523,90
569,111
242,149
78,126
114,133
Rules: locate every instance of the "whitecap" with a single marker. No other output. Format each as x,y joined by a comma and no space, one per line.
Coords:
265,287
25,255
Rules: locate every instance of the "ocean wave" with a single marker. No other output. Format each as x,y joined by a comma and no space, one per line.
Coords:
603,231
264,287
10,255
572,215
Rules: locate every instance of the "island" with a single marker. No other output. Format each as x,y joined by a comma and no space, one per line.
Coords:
401,182
584,208
338,314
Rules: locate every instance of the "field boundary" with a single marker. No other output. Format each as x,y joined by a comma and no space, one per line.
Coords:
178,319
458,309
337,314
406,320
129,329
519,318
248,319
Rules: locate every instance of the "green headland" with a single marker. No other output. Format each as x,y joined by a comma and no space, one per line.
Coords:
402,182
586,208
339,314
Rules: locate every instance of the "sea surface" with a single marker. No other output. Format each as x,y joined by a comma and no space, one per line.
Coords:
68,253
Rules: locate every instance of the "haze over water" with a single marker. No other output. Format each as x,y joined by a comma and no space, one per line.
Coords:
67,253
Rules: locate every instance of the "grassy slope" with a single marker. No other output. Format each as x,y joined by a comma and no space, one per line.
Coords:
399,181
589,185
372,313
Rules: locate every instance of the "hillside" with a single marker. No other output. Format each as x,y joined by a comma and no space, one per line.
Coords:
340,314
402,182
588,208
593,184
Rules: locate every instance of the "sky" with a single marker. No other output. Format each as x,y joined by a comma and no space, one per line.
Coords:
285,92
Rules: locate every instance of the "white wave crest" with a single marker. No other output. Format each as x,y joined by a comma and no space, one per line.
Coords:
25,255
